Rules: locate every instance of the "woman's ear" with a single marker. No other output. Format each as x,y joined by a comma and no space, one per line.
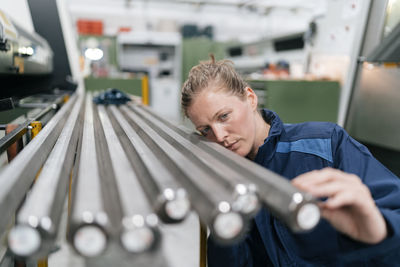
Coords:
252,98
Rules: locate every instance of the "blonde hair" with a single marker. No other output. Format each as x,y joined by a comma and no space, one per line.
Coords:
221,74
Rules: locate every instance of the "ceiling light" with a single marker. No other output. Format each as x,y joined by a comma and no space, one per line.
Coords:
94,53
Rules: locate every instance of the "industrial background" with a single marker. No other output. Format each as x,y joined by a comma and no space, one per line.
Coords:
71,169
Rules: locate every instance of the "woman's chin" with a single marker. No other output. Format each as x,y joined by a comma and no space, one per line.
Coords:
240,152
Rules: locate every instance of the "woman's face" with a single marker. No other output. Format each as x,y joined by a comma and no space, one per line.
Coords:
226,118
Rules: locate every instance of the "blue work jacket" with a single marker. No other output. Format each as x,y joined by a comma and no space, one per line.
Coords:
293,149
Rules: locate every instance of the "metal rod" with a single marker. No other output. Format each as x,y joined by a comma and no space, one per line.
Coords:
211,201
51,107
297,209
246,199
139,224
89,220
17,176
40,214
169,199
32,105
10,138
13,136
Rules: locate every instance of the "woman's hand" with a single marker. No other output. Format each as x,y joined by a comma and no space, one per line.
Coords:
349,206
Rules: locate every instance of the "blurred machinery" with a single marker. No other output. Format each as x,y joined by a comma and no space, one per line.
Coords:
373,110
158,54
26,60
255,56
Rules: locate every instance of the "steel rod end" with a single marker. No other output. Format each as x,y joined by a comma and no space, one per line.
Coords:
178,207
139,233
308,216
90,241
228,226
24,240
138,239
247,203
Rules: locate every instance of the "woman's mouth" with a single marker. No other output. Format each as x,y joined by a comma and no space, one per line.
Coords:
232,146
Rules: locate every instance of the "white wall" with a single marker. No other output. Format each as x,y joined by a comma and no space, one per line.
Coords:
338,45
228,22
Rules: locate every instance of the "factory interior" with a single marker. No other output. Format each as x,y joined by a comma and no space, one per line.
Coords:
99,166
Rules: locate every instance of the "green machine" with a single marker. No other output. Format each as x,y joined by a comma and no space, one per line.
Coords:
298,100
131,86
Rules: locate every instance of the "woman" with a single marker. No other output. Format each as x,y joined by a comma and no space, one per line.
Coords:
362,208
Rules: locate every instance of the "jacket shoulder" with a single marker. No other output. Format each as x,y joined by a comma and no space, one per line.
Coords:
308,130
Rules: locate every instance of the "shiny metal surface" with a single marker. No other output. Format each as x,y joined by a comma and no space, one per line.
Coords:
276,192
246,199
42,208
374,111
206,194
280,197
139,223
168,198
88,219
130,165
17,176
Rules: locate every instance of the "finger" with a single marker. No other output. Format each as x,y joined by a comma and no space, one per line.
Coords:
328,214
339,200
314,177
323,176
328,189
360,197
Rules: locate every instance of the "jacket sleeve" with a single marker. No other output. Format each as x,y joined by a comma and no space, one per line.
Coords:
353,157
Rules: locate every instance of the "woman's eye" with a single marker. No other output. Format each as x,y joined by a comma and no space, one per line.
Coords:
223,116
205,131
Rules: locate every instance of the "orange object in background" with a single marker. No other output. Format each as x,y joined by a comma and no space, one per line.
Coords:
16,147
124,29
90,27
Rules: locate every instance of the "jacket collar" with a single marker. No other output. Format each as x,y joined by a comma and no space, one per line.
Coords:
267,150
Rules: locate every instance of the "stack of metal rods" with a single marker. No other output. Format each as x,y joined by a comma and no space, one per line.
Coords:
88,221
246,200
38,218
130,170
121,189
167,197
139,223
209,198
17,177
295,208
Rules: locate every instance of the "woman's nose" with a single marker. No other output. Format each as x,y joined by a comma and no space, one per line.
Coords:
220,133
